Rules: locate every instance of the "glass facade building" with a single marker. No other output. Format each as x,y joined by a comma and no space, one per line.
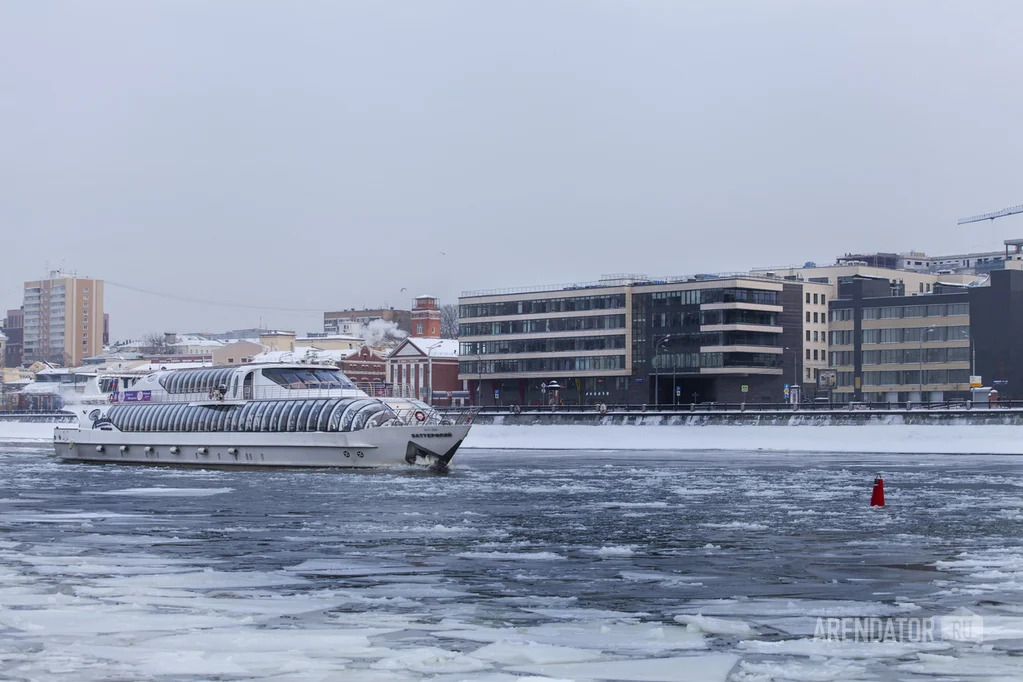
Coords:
633,339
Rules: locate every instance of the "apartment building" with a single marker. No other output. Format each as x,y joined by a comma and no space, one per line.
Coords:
63,319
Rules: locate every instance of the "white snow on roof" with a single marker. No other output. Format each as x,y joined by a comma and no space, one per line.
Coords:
150,367
186,341
441,348
305,353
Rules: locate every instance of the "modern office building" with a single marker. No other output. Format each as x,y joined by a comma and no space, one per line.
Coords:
888,348
926,348
635,339
63,319
513,343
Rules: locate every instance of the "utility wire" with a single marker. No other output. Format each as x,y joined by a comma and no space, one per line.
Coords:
188,299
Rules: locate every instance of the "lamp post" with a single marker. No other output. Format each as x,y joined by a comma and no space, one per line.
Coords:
429,370
657,374
923,337
973,354
973,361
795,372
479,381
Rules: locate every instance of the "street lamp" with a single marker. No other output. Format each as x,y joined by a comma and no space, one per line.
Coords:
657,374
923,337
429,370
479,381
973,353
795,370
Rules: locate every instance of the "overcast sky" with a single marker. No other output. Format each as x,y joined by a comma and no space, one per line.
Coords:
318,156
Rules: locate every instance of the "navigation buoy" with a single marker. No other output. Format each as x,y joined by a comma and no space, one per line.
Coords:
877,496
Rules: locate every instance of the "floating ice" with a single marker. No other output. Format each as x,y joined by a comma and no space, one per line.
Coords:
714,626
165,492
705,668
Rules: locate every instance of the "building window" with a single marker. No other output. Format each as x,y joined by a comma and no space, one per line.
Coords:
807,353
815,354
807,334
807,315
822,299
816,338
815,319
808,297
815,298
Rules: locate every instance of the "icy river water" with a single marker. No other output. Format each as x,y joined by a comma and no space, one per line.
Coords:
516,565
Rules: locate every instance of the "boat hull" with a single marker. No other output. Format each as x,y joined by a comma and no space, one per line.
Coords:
391,446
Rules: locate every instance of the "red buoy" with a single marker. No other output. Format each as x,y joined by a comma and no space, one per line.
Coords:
877,497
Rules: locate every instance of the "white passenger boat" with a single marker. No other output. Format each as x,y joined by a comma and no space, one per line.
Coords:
293,415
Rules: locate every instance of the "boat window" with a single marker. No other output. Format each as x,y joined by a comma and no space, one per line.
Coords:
373,414
133,413
221,419
324,420
174,420
248,412
163,413
365,413
272,415
314,415
257,418
146,421
303,415
337,413
308,378
188,418
206,415
353,409
293,414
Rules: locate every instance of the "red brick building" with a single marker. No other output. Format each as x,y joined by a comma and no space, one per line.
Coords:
368,369
419,364
426,318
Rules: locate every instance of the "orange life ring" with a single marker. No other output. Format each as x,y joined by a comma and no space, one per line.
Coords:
420,416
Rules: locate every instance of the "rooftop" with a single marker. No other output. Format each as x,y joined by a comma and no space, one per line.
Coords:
621,280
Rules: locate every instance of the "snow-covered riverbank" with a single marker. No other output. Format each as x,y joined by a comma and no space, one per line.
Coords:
15,431
860,438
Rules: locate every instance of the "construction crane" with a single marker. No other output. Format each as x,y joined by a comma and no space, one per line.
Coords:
1012,210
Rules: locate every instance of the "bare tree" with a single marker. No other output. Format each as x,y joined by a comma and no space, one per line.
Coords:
449,321
155,344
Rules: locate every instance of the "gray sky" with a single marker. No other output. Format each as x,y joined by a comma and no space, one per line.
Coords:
323,155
